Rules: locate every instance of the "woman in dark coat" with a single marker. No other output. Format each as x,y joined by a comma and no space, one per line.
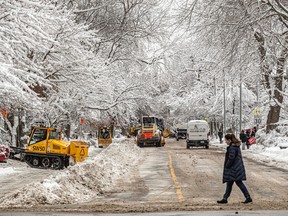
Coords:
234,170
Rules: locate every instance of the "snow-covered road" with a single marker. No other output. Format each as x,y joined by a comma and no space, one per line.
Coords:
125,178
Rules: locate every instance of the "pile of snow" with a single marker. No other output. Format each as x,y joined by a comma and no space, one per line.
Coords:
81,182
120,138
278,137
271,148
7,171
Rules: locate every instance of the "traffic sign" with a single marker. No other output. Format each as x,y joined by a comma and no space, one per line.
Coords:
4,112
257,121
82,121
257,111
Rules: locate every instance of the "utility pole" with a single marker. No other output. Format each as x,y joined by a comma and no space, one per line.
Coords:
224,97
257,93
215,91
240,113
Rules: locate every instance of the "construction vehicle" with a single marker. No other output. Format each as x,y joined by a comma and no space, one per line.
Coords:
150,133
134,130
104,136
45,149
167,133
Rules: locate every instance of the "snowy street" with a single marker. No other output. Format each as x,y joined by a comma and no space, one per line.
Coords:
134,106
151,179
189,213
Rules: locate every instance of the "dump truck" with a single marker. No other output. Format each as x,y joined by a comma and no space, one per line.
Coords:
150,133
104,136
45,149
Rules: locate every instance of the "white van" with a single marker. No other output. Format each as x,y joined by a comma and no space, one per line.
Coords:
197,133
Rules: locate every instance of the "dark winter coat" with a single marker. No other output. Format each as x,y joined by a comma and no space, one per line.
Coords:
243,137
234,169
220,134
248,136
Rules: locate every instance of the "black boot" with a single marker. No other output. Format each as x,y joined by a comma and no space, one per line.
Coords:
248,200
223,201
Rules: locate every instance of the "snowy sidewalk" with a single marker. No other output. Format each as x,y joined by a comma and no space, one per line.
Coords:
268,151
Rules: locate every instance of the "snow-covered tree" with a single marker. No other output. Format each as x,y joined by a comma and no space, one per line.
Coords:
247,40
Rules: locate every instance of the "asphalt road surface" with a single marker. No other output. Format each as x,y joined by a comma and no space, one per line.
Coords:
193,213
175,180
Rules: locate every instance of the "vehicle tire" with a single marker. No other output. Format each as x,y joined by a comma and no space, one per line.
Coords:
27,158
158,144
141,145
35,161
57,163
46,162
11,155
207,146
187,146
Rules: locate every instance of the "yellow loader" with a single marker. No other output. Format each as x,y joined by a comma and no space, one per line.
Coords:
104,136
45,149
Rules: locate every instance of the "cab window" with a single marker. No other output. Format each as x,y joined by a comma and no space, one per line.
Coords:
54,134
38,135
104,133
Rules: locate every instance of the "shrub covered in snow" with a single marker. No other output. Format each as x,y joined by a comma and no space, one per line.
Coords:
277,137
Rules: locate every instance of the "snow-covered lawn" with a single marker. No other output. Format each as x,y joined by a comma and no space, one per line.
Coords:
81,182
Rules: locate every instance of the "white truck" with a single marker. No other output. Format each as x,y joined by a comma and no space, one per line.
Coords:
197,134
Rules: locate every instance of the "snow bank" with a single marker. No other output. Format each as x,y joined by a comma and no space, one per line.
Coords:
120,139
7,171
81,182
270,148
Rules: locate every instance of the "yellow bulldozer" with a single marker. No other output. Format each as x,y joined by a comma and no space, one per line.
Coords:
45,149
104,136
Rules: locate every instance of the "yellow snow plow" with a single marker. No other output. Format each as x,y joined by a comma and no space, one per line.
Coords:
104,136
45,149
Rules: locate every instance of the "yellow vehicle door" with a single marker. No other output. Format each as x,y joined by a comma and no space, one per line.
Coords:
38,141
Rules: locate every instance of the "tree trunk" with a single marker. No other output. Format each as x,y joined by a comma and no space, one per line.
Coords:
275,108
265,69
276,98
